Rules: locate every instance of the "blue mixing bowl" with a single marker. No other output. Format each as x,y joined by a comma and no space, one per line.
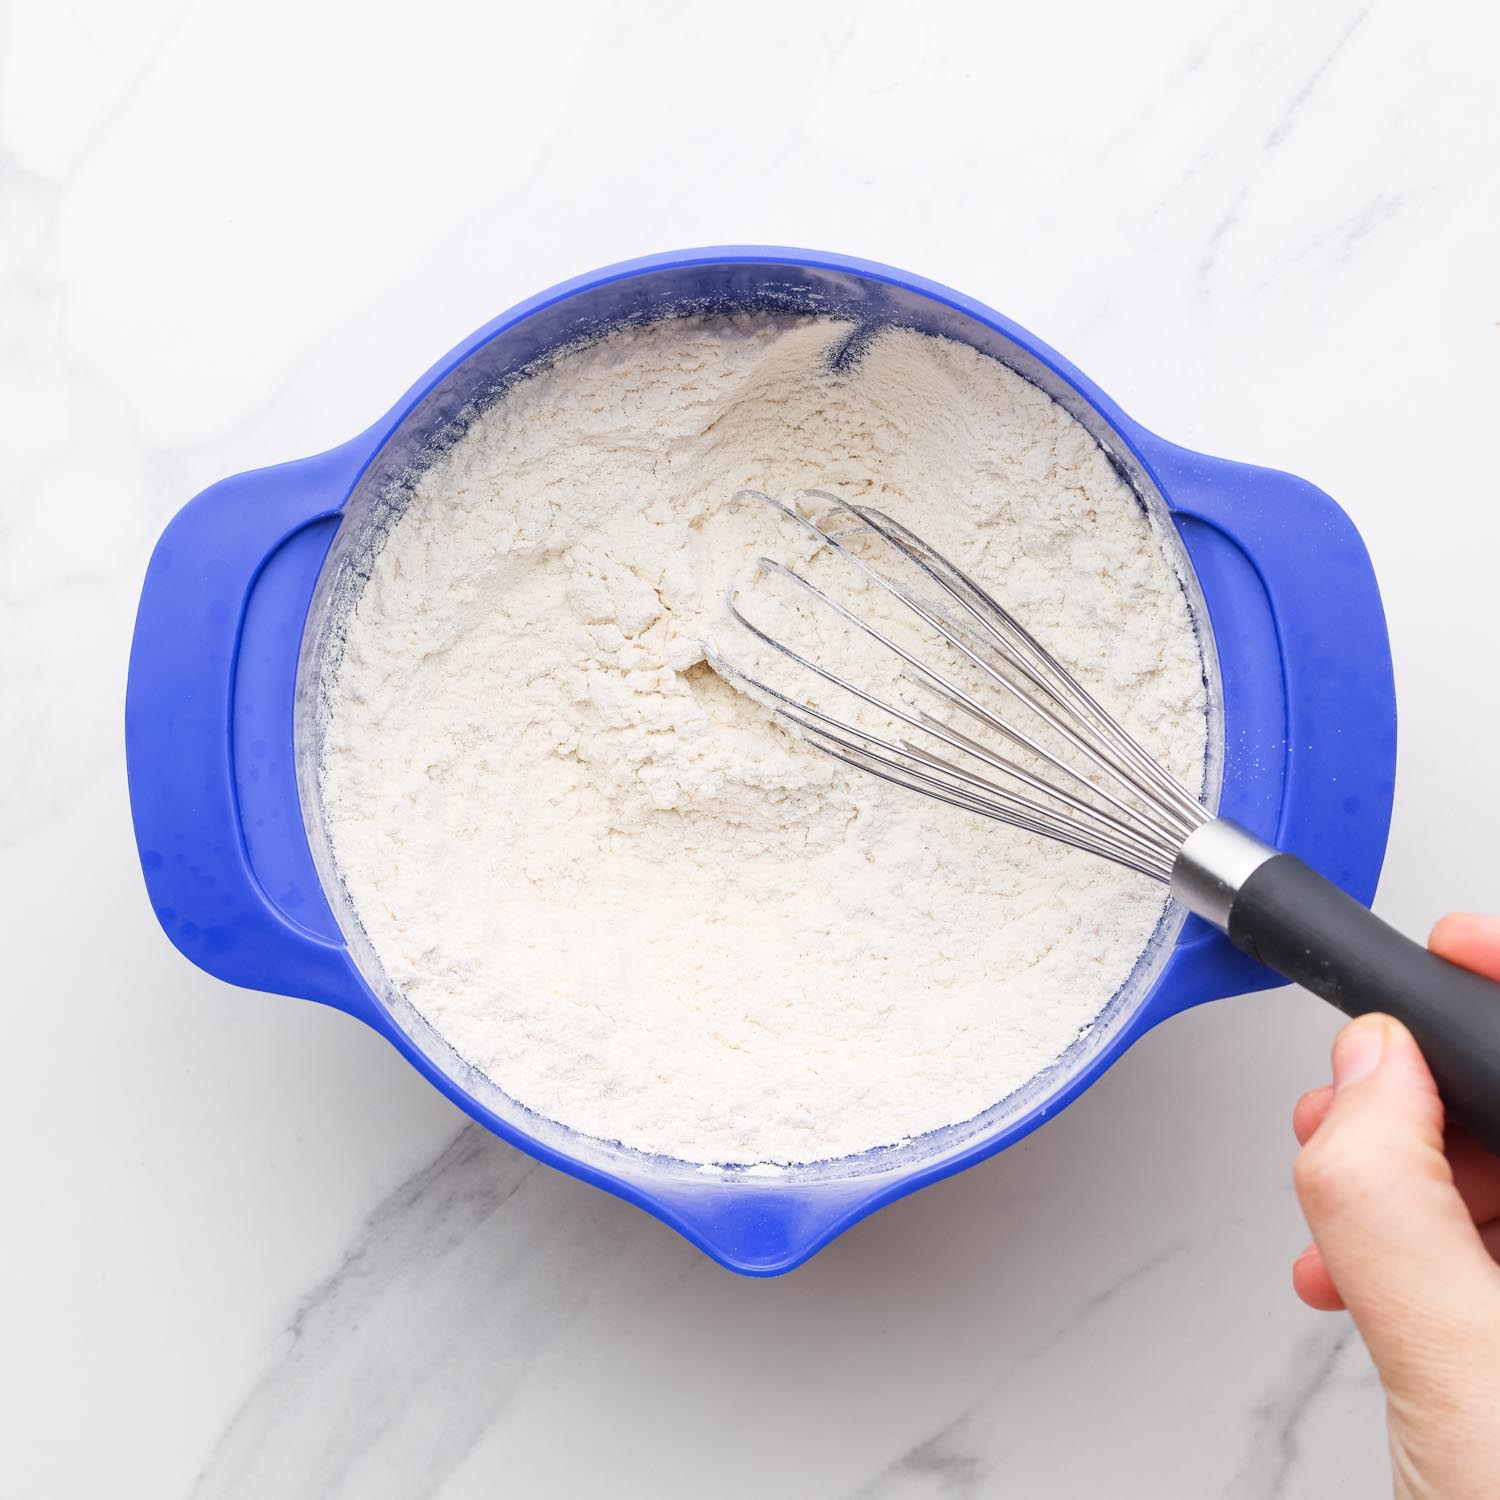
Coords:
244,587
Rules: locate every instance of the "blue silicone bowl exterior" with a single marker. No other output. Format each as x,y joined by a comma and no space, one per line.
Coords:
217,718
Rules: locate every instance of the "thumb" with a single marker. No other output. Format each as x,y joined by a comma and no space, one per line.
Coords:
1379,1197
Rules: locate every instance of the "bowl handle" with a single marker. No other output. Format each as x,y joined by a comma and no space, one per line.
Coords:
208,711
1339,698
1309,699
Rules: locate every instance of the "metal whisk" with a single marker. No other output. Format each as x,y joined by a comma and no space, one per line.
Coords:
1037,751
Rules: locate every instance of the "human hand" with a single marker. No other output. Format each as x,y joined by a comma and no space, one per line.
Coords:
1406,1235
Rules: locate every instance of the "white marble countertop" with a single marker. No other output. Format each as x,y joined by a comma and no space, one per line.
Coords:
251,1253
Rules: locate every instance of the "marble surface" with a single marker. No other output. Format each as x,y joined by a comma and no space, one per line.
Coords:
250,1253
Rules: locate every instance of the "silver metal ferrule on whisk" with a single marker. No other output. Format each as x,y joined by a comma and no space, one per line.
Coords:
1212,867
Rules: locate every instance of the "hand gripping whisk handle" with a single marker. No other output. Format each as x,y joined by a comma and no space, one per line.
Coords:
1287,916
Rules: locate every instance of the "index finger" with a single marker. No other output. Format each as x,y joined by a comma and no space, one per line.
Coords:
1470,940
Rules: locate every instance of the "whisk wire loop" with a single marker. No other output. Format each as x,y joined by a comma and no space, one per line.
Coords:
1041,669
1145,813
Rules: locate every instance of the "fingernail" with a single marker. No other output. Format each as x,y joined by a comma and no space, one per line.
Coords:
1357,1050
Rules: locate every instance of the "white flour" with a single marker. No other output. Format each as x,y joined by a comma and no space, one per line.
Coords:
610,882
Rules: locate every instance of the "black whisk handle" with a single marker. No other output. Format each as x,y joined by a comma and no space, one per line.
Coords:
1293,920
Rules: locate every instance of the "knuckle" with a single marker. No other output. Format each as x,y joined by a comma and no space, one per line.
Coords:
1327,1174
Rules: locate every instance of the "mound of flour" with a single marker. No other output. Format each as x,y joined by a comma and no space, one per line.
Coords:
609,880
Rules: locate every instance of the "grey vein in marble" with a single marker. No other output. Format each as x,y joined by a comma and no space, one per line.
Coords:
1345,238
1277,137
1279,1417
950,1462
449,1289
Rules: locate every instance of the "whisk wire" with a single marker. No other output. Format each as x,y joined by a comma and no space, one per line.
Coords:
1147,813
1115,841
1042,670
949,691
1020,812
1191,812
